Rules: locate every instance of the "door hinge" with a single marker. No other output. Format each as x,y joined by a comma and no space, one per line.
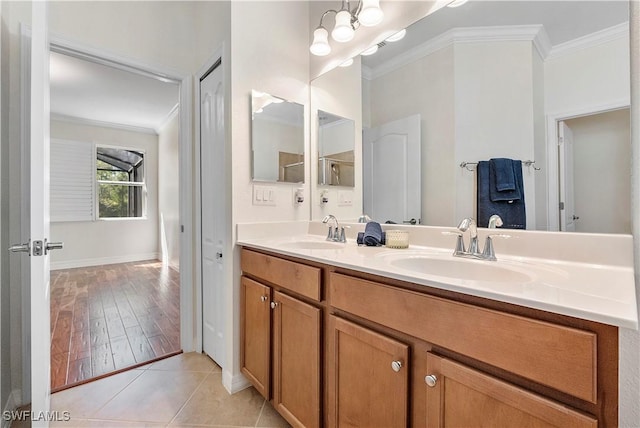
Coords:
560,141
182,228
561,205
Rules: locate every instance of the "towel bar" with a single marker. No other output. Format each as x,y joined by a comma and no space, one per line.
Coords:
466,165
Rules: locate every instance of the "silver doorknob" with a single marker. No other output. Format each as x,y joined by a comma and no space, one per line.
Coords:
20,248
263,298
48,246
431,380
396,366
575,217
274,305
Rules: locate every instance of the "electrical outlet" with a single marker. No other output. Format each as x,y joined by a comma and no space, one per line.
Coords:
345,198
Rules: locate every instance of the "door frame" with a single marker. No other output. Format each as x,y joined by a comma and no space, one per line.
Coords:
218,54
67,46
553,158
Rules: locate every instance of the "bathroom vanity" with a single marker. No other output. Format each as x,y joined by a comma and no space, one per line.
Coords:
339,336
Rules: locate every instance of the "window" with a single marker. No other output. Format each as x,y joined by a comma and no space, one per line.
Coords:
121,186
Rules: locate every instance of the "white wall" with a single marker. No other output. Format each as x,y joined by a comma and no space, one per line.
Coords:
338,92
169,193
425,87
601,167
490,120
269,52
109,241
590,77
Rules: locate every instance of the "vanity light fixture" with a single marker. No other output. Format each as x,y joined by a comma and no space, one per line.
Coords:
347,63
456,3
370,51
398,36
347,21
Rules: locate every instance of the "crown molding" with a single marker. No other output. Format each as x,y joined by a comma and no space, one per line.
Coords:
91,122
591,40
533,33
170,116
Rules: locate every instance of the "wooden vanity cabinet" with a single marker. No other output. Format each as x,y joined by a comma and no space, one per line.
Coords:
395,354
460,396
280,352
370,375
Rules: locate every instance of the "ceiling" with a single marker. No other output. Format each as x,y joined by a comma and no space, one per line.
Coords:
87,91
562,20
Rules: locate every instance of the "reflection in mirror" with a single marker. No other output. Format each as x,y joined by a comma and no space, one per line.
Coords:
277,138
494,79
336,139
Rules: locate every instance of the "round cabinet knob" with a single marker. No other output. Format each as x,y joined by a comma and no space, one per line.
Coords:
431,380
263,298
396,365
274,305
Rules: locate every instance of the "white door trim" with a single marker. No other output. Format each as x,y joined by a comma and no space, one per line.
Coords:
219,54
553,177
185,142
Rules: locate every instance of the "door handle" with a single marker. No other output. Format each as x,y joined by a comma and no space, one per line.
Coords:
48,246
21,248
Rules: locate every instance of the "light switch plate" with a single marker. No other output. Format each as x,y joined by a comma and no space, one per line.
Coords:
264,195
345,198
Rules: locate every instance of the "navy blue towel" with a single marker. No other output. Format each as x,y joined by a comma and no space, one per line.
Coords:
504,181
360,238
512,212
372,234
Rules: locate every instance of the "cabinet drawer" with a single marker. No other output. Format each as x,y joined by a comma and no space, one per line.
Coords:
299,278
561,357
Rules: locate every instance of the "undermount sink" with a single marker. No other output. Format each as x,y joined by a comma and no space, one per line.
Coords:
313,245
465,269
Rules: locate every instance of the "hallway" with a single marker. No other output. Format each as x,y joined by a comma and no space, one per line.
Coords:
106,318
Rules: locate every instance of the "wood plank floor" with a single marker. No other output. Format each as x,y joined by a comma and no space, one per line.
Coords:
106,318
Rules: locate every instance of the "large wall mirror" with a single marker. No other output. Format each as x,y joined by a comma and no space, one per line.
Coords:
507,79
336,156
277,139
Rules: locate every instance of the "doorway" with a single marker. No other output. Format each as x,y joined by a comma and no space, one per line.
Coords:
594,171
115,201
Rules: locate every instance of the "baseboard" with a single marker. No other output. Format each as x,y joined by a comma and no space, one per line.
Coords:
103,261
233,383
12,404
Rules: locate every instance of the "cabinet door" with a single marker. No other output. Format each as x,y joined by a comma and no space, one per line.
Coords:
256,334
371,381
296,360
458,396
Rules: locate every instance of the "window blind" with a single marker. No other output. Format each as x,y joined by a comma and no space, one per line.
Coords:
72,180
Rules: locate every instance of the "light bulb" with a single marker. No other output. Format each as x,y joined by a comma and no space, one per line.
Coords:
320,45
343,31
370,51
371,14
398,36
347,63
456,3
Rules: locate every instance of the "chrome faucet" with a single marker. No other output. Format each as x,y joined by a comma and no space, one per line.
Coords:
336,233
470,225
474,252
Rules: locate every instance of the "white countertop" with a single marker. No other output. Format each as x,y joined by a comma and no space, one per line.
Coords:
571,286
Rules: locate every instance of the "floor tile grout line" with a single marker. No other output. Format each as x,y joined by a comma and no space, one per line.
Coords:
260,414
188,399
117,393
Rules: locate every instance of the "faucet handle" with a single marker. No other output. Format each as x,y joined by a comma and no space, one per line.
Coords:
330,234
488,252
459,241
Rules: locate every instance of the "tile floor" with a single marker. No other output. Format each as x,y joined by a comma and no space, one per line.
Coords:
181,391
106,318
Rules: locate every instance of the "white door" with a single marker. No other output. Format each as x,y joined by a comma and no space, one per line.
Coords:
213,197
391,171
36,234
565,156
